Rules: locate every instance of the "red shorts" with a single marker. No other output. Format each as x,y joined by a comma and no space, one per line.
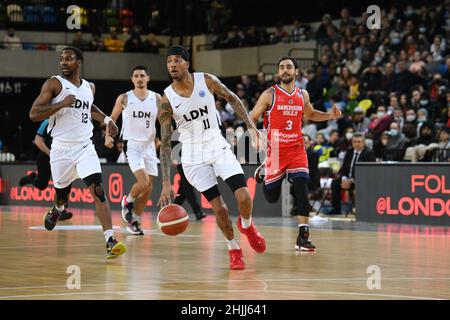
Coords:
290,161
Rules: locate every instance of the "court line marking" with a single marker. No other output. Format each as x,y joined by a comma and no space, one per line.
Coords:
222,291
156,282
190,242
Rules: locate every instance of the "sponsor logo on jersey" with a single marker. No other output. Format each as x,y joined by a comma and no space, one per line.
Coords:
141,114
201,93
194,114
80,104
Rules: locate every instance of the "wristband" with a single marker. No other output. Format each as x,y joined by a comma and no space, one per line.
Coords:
107,120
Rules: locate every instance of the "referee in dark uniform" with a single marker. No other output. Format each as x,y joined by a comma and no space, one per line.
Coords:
40,178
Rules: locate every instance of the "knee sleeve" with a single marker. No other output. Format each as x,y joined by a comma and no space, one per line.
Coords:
235,182
63,194
301,195
211,193
99,192
96,180
272,194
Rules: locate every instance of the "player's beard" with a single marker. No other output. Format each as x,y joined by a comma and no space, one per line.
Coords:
287,80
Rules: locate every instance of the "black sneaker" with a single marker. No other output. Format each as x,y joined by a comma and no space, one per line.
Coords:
200,215
51,218
259,173
127,210
303,244
65,215
27,179
114,248
135,228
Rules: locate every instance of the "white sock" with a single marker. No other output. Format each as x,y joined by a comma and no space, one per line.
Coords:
246,222
130,198
303,225
232,244
136,218
59,208
108,234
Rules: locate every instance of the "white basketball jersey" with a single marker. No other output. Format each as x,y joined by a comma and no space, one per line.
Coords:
139,118
196,116
72,124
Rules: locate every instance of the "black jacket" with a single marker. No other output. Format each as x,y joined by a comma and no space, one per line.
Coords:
366,155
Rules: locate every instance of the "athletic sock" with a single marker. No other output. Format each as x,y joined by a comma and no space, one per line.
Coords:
232,244
136,218
59,208
130,198
108,234
246,222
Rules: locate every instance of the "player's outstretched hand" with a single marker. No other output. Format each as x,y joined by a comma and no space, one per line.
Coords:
112,129
259,139
166,195
109,141
335,112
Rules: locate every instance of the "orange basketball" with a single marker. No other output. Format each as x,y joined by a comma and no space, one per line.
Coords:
172,219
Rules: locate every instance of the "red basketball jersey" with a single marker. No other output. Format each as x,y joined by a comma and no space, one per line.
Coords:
283,120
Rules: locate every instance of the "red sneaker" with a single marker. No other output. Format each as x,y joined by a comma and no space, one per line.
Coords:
255,238
236,262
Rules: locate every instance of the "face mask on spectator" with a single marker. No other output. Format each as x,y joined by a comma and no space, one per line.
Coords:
378,59
422,29
393,132
410,118
422,119
423,103
399,119
396,41
380,114
349,135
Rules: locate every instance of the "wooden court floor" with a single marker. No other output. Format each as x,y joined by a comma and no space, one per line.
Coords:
34,262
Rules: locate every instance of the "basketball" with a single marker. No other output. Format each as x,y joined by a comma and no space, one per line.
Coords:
172,219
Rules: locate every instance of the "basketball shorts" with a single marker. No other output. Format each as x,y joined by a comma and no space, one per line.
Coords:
203,176
280,162
70,162
141,156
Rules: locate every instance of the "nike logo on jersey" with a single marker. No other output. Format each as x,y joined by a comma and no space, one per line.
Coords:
86,145
177,106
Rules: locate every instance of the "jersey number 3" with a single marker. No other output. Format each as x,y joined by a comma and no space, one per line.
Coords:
289,125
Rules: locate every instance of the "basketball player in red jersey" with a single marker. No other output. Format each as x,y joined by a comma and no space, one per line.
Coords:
283,106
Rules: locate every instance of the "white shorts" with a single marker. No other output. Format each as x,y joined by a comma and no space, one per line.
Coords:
203,176
142,155
69,163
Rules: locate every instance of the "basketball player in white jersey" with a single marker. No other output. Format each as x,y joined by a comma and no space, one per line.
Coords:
205,152
139,111
67,101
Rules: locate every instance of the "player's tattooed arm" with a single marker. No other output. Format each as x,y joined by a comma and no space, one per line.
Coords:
165,120
121,103
316,115
41,108
218,88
